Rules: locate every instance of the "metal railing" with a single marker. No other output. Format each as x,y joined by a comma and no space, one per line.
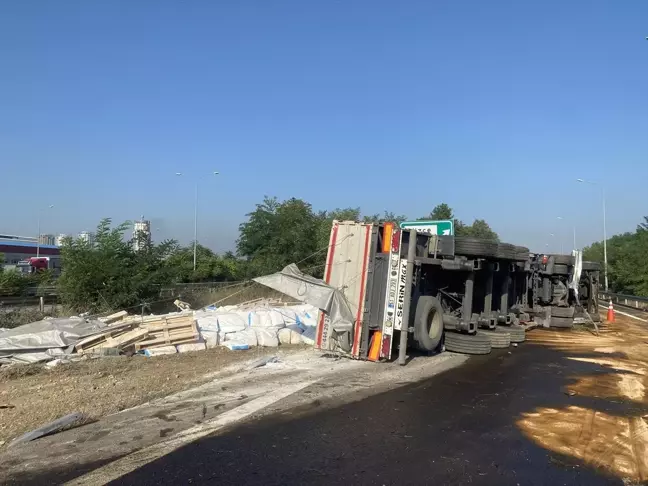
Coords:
634,301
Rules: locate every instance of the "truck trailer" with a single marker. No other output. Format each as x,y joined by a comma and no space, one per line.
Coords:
416,285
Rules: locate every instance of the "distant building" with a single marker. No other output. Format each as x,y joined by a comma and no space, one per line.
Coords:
87,236
59,239
47,239
15,251
141,234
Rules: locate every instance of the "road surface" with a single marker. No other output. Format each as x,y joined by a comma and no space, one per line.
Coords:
457,428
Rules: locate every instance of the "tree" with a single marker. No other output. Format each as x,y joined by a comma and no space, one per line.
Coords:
278,233
643,226
479,229
627,263
386,217
109,274
440,212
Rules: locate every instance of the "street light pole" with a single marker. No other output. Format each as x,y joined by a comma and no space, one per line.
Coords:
195,226
605,259
39,231
195,242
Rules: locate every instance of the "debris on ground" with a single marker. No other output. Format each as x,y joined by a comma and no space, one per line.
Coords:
54,426
33,394
261,322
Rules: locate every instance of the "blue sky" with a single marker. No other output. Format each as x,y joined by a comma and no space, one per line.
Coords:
493,107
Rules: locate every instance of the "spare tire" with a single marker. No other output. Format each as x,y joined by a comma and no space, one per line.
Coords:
591,266
560,269
474,247
476,343
428,323
562,312
562,322
563,259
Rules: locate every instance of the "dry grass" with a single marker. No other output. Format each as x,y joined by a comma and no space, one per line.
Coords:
36,394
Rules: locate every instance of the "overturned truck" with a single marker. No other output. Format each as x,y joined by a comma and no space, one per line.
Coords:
417,285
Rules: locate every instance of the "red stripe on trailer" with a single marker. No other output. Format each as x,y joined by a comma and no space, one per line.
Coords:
363,282
327,277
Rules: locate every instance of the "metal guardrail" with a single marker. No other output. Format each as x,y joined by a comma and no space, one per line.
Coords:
634,301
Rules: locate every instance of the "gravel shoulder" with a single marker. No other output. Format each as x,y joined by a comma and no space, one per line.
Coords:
32,395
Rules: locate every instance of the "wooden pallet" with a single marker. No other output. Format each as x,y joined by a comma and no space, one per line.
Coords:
115,338
168,330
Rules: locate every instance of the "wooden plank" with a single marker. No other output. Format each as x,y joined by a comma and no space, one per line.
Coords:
108,340
117,316
182,339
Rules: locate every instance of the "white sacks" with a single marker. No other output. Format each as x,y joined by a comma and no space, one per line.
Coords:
260,326
247,336
290,335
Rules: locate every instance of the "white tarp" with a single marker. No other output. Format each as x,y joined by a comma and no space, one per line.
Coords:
574,282
291,281
31,342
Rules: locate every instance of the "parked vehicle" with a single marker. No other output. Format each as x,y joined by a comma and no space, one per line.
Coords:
420,286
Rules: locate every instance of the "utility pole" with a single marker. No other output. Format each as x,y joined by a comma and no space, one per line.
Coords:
195,241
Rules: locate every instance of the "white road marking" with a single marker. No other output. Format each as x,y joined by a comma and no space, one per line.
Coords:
129,463
625,314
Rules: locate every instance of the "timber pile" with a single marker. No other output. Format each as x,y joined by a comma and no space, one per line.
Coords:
130,332
166,330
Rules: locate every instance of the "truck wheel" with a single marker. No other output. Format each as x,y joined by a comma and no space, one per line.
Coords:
474,247
476,343
506,251
563,259
560,269
562,312
428,323
517,332
562,322
522,253
499,338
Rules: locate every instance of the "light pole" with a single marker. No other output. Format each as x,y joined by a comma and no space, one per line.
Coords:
605,260
195,245
39,230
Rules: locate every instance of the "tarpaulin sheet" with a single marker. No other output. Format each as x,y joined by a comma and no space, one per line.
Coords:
291,281
47,334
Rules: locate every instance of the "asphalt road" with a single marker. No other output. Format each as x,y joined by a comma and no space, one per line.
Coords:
456,428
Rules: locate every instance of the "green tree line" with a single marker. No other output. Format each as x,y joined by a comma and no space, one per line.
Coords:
627,260
110,274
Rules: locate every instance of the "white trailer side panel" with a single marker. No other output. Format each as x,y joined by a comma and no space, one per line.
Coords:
346,269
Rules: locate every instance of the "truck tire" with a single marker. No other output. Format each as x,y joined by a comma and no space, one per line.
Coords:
562,322
560,269
428,323
474,247
499,338
506,251
517,332
522,253
562,312
476,343
563,259
591,266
